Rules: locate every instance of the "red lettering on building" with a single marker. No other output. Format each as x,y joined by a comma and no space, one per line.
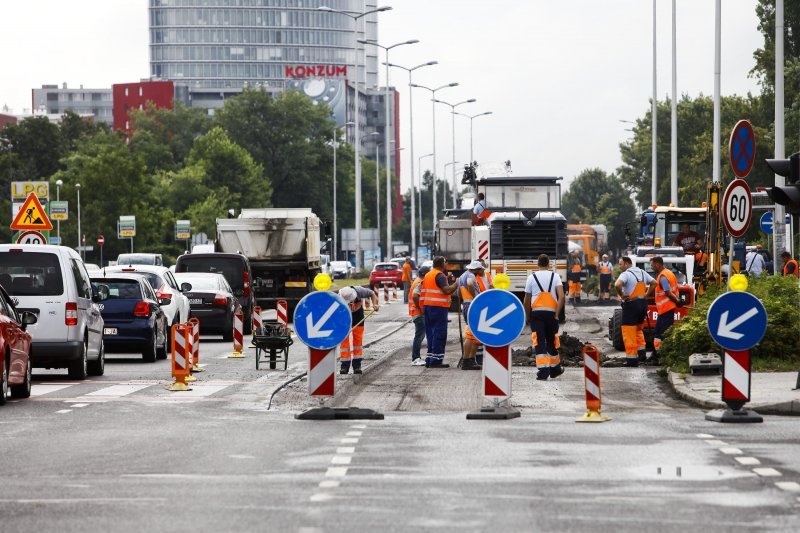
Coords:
316,71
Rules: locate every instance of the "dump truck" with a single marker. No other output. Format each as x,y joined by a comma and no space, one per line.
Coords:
283,247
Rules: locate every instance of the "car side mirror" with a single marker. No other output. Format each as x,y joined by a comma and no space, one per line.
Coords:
163,302
186,287
28,318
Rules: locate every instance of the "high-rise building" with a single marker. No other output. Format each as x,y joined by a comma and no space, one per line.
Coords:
52,100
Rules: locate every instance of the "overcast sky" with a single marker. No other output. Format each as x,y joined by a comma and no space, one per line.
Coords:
558,75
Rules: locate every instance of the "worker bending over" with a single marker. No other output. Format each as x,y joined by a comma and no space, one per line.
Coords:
470,284
667,300
354,349
633,287
544,299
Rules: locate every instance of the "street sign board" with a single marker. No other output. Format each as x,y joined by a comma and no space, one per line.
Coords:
59,210
742,148
766,222
322,320
737,207
101,240
22,189
496,317
126,227
31,237
32,216
737,320
55,240
183,230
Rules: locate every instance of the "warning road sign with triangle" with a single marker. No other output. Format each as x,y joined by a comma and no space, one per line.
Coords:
32,216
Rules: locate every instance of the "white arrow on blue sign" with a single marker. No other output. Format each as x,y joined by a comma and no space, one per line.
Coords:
766,222
322,320
496,317
737,320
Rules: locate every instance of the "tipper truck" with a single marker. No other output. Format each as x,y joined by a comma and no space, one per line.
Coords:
283,247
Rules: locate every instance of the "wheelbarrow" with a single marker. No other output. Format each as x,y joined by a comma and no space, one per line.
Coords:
272,342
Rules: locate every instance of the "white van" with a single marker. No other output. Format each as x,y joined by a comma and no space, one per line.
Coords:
140,259
52,283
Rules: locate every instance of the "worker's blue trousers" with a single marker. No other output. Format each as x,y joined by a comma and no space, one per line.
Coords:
435,333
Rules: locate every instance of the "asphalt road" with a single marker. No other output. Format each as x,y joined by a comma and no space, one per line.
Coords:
121,453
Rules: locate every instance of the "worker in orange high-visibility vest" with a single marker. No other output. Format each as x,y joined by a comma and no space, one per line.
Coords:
469,286
435,300
633,287
415,312
790,267
352,347
667,300
486,280
406,279
544,300
606,275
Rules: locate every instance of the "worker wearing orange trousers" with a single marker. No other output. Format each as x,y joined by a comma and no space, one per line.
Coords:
633,287
606,274
352,347
575,284
544,298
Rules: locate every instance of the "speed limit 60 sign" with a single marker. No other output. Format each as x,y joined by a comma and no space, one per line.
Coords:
737,207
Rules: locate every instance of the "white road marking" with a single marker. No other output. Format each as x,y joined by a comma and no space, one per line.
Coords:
64,411
341,460
238,456
321,497
731,451
349,440
329,484
704,436
118,390
788,486
767,472
346,449
336,471
41,390
716,443
748,461
79,404
354,433
359,426
85,500
198,391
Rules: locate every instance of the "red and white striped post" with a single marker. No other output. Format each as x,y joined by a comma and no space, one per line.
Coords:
394,290
385,292
180,357
321,372
735,389
281,310
591,378
258,322
194,322
497,373
483,250
238,335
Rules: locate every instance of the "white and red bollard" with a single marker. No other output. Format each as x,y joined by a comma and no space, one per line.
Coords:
385,292
394,290
195,324
282,313
496,384
238,335
321,373
258,321
181,357
591,378
735,389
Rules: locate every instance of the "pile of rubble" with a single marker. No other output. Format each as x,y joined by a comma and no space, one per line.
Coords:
571,353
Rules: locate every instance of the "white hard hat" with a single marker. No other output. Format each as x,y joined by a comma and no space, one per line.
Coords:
348,294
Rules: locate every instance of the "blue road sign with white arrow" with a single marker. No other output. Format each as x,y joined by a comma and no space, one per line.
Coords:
496,317
322,320
766,222
737,320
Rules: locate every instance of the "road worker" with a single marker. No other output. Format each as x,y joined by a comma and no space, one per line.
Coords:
415,312
480,211
574,278
470,285
435,300
754,264
544,299
606,271
789,265
667,300
633,287
354,349
406,279
486,280
688,239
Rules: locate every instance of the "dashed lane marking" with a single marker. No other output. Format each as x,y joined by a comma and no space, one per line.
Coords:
359,426
788,486
349,440
321,497
118,390
731,451
767,472
354,433
346,449
329,484
41,390
704,436
79,404
336,471
341,459
748,461
716,443
64,411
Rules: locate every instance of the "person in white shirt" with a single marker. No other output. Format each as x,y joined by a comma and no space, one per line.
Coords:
544,299
754,263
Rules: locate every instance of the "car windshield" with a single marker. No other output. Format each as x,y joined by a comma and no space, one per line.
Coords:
340,264
31,274
386,267
230,268
152,278
120,289
200,282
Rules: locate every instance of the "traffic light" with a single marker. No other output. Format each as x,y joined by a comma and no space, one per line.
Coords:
788,195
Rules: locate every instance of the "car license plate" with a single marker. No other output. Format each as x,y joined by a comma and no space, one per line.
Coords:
195,301
270,283
109,331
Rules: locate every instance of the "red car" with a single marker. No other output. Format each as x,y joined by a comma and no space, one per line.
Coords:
389,272
15,344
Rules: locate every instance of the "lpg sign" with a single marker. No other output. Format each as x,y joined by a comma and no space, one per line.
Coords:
316,71
21,189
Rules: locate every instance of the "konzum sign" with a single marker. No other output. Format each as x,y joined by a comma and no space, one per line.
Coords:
316,71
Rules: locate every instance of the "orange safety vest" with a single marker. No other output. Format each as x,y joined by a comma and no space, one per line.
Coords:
605,267
640,290
544,300
466,295
484,283
406,272
576,268
663,303
431,294
786,272
412,309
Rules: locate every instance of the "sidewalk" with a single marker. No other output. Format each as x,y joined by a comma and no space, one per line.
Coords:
770,393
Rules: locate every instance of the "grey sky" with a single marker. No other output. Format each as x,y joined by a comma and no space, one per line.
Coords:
558,74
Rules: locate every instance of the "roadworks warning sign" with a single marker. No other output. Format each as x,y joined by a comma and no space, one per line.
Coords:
32,216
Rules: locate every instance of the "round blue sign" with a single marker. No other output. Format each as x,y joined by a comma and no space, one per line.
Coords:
322,320
766,222
737,320
496,317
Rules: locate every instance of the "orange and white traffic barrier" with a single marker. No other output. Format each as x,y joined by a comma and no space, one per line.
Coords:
321,372
238,335
282,313
591,377
497,373
394,290
258,322
194,322
385,292
181,357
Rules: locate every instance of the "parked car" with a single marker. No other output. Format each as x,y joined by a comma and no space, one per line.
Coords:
140,259
212,302
91,266
15,344
341,269
133,318
385,272
236,270
52,283
163,282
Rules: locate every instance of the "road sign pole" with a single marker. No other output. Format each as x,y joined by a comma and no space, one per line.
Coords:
735,390
730,261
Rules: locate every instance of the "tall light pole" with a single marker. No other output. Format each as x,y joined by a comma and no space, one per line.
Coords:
654,113
356,116
673,168
59,183
387,138
453,117
471,118
433,108
411,154
78,189
780,241
335,227
419,167
444,191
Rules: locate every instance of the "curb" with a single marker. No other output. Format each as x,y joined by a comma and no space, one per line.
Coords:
789,408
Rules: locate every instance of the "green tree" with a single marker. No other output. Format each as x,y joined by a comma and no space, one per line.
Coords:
37,147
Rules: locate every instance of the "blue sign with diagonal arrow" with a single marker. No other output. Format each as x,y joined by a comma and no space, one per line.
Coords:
322,320
496,317
737,320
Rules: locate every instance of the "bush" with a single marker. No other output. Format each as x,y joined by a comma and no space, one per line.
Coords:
780,347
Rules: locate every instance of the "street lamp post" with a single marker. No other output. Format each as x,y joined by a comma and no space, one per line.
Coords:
411,154
419,167
78,189
335,227
471,118
356,115
433,107
59,183
453,119
444,188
